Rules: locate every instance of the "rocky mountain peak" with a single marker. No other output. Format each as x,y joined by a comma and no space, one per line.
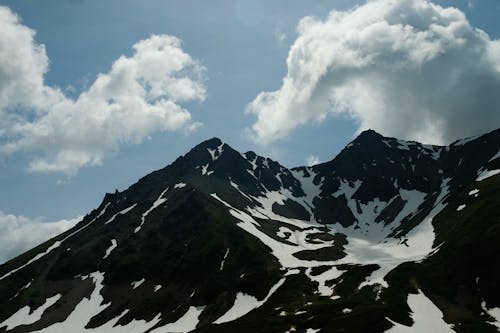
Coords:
220,241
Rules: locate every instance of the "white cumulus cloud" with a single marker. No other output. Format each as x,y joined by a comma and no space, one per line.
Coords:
312,160
19,234
406,68
140,95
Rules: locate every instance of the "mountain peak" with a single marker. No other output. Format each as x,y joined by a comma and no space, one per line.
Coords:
203,150
211,143
199,240
368,135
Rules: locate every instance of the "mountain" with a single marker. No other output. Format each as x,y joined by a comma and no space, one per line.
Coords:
389,236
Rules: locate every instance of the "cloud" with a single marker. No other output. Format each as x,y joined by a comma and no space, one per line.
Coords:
140,95
312,160
19,234
406,68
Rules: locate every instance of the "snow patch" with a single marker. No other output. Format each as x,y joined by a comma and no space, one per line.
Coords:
157,287
180,185
216,153
136,284
292,272
494,157
474,191
132,327
223,260
244,303
460,208
215,196
160,200
26,286
55,245
426,317
328,275
122,212
484,174
238,189
24,316
403,145
391,253
204,169
462,142
252,162
111,248
493,312
84,311
184,324
310,189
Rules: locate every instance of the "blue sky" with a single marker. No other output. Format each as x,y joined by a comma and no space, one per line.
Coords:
243,47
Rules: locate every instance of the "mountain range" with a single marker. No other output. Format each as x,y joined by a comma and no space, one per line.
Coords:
389,236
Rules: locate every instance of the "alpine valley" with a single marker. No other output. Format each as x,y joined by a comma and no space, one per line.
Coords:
389,236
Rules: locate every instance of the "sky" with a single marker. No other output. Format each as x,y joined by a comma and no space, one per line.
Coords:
96,94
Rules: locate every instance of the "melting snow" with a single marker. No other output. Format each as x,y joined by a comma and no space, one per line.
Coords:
426,317
132,327
366,245
215,153
346,188
403,145
55,245
310,189
244,303
392,253
484,174
283,252
91,306
111,248
252,162
184,324
136,284
223,260
497,155
330,274
155,205
204,170
366,228
493,312
282,233
26,286
122,212
474,191
462,142
292,272
24,316
214,195
238,189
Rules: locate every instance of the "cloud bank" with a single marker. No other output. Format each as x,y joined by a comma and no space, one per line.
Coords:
19,234
406,68
139,96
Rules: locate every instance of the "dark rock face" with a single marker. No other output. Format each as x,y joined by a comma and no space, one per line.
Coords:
221,241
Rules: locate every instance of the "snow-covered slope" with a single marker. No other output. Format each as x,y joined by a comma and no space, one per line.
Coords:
221,241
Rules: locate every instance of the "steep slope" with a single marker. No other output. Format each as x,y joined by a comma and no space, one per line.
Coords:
221,241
